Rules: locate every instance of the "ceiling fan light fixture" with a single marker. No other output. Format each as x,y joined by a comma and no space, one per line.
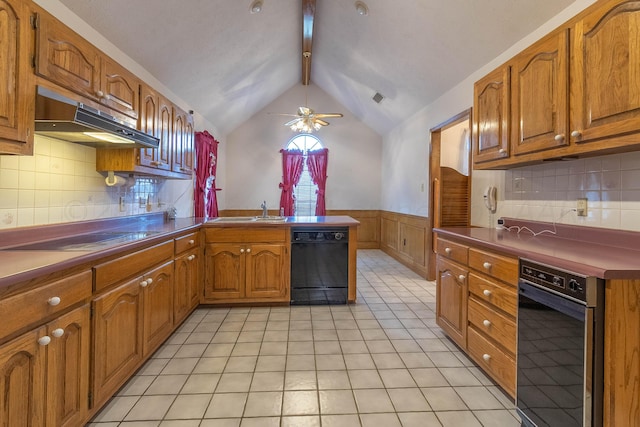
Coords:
256,6
361,8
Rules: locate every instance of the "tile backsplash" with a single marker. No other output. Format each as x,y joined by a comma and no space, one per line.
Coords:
59,183
548,192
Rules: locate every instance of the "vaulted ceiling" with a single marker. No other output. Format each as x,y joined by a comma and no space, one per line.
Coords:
228,63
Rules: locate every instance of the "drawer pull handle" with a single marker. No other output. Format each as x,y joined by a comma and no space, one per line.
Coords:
191,242
486,323
486,357
249,250
487,293
53,301
462,277
57,332
45,340
448,250
487,265
144,283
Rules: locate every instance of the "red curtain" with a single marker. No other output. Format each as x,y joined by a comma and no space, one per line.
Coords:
292,164
205,200
317,165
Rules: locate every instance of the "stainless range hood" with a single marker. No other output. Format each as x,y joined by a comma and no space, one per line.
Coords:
62,118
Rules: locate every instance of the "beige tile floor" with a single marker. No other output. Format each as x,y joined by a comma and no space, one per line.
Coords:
381,362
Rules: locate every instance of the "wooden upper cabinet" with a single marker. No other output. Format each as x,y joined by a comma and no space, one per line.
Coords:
539,95
491,116
182,142
70,61
119,89
605,91
17,93
67,59
155,119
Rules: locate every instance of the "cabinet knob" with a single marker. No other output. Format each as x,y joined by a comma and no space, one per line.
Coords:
576,134
249,250
53,301
241,251
100,94
45,340
486,323
559,138
487,265
448,251
502,151
191,257
486,357
462,277
57,332
144,283
191,242
149,281
487,293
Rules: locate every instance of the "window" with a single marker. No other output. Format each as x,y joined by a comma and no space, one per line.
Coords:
305,191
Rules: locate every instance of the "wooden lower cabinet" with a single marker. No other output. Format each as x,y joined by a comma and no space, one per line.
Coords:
246,272
186,295
117,330
22,380
451,302
157,307
54,359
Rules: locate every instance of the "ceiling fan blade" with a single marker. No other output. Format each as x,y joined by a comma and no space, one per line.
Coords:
321,122
327,115
294,121
283,114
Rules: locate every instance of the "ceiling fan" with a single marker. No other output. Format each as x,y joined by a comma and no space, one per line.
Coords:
307,120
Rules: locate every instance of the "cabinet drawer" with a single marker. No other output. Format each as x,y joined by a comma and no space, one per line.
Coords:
494,265
33,306
454,251
493,324
126,266
500,366
187,242
501,295
246,235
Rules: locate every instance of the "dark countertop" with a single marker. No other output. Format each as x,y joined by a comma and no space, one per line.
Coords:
20,265
597,252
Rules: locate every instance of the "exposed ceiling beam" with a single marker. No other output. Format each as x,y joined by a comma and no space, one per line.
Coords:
308,15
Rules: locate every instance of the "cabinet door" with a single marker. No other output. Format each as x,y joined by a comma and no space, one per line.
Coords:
117,349
151,105
225,271
68,369
491,116
539,94
22,381
451,300
119,89
266,272
67,59
187,278
158,306
182,142
17,91
605,72
165,124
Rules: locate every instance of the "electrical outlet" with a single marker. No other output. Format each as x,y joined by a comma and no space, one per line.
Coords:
581,207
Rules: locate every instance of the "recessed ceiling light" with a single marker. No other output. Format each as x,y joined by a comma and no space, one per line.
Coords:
361,8
256,6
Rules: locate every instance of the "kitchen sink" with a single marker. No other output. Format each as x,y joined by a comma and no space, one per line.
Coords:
86,242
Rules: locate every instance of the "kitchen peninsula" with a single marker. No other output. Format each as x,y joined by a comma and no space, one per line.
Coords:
86,304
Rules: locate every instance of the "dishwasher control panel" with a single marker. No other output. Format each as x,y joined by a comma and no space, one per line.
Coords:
319,235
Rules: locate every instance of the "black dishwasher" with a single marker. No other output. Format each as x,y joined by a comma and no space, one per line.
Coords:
319,265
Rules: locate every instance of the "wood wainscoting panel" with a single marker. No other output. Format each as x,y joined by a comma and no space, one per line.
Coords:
407,239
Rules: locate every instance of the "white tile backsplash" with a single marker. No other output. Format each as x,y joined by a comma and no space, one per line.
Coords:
59,183
548,192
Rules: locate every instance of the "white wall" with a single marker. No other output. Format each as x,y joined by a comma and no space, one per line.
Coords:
406,148
254,163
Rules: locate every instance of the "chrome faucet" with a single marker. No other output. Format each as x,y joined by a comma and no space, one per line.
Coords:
264,209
